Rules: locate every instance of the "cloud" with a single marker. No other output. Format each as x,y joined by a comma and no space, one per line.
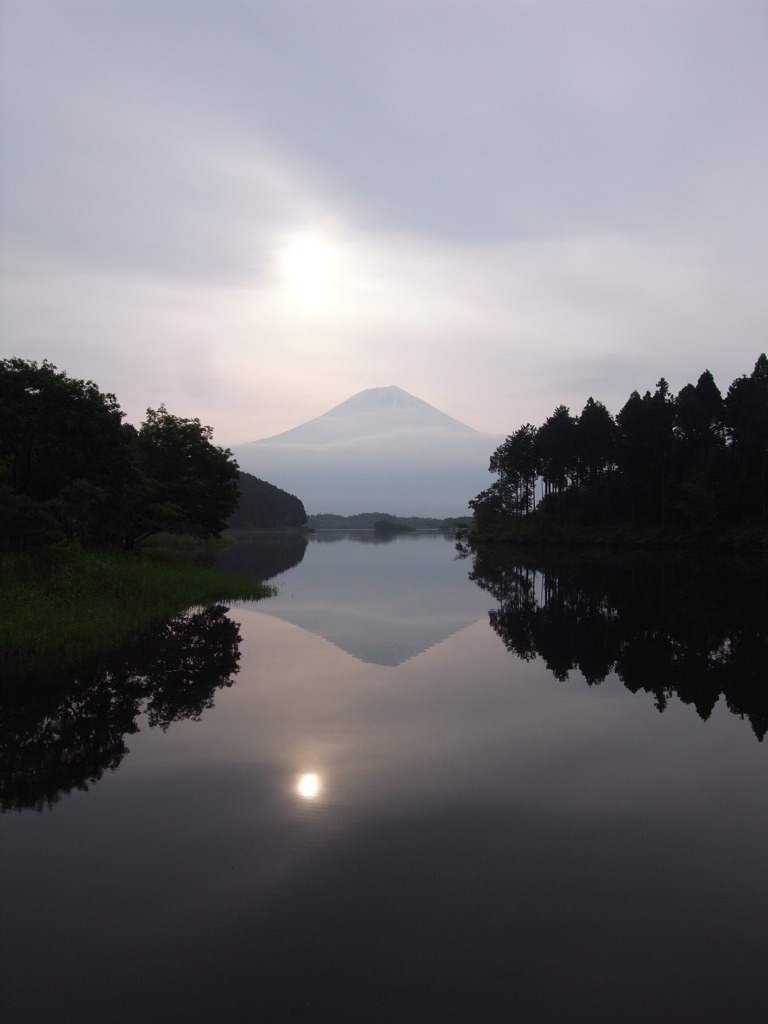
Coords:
524,204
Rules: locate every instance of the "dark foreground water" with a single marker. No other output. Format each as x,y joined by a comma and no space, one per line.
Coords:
395,794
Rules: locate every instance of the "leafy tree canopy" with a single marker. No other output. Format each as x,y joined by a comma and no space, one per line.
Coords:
189,485
65,456
71,469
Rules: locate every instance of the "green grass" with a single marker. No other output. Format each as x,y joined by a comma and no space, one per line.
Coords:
64,605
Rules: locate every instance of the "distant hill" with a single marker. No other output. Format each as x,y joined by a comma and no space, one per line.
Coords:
368,520
263,506
381,448
392,526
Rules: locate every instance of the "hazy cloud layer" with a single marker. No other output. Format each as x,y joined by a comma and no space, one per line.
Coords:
252,210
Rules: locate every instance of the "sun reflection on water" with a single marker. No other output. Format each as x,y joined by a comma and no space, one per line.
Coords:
309,786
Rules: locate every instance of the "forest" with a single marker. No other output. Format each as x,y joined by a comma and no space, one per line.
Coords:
691,466
87,504
368,520
263,506
71,470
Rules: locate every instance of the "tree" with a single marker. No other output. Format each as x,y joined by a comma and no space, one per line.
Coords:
746,414
700,443
489,506
646,439
596,435
187,484
64,456
556,452
516,463
699,414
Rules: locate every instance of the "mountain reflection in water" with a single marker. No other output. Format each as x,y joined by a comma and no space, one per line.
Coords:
459,836
669,626
382,599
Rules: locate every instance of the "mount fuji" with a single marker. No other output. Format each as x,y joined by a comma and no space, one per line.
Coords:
382,450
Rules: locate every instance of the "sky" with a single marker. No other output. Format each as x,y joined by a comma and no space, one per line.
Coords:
250,211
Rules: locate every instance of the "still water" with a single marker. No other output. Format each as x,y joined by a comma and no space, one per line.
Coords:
409,788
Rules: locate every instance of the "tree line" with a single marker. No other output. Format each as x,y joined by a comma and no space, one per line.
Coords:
696,461
71,469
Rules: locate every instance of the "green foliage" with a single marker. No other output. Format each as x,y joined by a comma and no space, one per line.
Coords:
76,483
71,470
65,459
190,485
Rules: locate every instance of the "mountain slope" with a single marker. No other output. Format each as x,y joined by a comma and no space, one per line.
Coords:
371,413
381,450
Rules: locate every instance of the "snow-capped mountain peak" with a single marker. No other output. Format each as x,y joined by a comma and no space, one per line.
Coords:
383,449
372,413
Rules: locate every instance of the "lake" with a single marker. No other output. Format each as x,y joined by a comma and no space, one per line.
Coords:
408,788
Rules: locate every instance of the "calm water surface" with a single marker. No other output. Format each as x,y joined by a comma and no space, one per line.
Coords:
393,793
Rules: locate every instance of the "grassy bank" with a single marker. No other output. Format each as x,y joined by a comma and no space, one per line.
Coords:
64,605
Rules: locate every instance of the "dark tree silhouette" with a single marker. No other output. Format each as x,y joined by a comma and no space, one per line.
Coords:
70,469
695,464
517,465
65,459
596,438
261,505
646,439
556,451
699,415
746,409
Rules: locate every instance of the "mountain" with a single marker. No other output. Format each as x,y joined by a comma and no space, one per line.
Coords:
381,450
369,414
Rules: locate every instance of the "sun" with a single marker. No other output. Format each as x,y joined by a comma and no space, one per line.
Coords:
307,270
309,786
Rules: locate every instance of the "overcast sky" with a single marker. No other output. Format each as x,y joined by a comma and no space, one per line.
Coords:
251,211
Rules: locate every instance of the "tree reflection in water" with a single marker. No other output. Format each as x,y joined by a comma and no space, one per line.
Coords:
669,626
61,734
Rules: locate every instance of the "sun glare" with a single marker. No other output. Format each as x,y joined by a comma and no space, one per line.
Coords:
308,787
307,270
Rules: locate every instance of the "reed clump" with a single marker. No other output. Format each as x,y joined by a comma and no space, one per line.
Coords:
63,604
